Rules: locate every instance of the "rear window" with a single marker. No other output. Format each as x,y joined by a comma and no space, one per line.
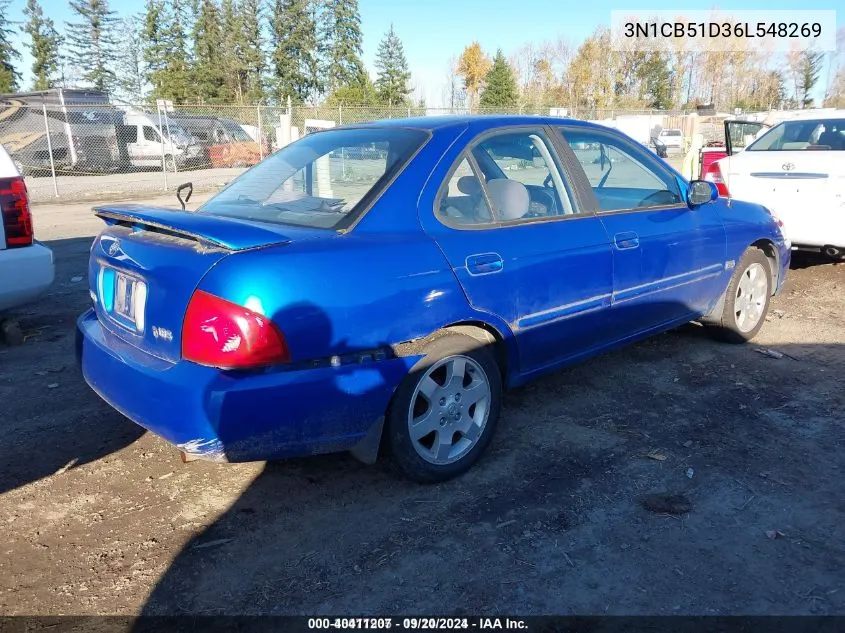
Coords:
671,133
322,180
824,135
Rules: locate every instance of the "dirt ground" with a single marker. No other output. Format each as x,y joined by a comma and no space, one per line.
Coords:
102,518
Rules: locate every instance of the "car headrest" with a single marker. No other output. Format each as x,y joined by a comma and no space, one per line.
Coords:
469,185
832,139
510,199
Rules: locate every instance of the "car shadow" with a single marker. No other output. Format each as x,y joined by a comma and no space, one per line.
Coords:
268,498
43,370
805,259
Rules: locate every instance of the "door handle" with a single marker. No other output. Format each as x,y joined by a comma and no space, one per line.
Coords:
624,241
484,263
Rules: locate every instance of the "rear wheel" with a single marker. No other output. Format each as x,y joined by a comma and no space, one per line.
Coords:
747,299
444,413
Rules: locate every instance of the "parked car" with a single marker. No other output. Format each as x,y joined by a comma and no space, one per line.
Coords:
796,169
79,131
146,146
299,312
224,141
672,138
26,267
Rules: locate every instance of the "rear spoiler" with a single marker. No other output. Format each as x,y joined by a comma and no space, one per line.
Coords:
229,233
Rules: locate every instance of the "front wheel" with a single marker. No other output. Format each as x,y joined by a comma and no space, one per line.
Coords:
444,414
746,299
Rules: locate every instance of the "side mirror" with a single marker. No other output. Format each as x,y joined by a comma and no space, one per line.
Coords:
701,192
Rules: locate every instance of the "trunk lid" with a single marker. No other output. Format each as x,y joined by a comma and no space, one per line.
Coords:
799,186
147,262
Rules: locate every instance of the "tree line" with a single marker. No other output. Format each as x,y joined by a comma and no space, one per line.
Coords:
208,51
598,75
265,51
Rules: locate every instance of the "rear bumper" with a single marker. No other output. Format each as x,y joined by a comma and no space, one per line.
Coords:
26,273
217,416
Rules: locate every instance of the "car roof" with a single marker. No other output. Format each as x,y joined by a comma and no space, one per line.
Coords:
431,123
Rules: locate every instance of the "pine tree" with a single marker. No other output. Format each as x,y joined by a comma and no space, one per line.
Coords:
252,55
130,59
500,89
811,66
393,75
232,51
153,45
209,71
176,80
44,46
293,56
92,42
341,44
9,76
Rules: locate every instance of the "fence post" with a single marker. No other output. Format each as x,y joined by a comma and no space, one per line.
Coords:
50,150
340,114
409,112
161,134
260,133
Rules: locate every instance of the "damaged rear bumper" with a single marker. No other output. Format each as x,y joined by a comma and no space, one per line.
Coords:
222,416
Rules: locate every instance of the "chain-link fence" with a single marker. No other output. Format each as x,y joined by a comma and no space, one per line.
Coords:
112,151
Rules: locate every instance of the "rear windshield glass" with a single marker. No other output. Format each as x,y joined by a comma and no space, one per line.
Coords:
321,180
825,135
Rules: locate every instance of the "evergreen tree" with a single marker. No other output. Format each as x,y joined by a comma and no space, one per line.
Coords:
232,51
341,44
9,76
209,71
293,56
656,80
500,90
130,59
92,42
358,94
154,45
811,66
252,55
393,74
44,46
176,72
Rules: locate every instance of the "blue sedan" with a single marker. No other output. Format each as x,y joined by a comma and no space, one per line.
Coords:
374,288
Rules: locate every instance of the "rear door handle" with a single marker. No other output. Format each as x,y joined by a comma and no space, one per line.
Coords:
626,240
484,264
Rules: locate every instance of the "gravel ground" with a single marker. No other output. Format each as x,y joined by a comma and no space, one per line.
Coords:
102,518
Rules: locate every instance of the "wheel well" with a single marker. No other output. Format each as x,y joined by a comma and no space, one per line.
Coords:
487,335
772,255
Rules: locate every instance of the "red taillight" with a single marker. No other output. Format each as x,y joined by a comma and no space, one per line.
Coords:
17,220
714,174
222,334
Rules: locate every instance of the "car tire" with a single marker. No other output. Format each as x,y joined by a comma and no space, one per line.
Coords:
746,300
455,393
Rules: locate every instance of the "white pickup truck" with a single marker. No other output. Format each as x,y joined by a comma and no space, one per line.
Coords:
26,267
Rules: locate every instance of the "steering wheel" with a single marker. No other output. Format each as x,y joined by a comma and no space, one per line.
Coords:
658,198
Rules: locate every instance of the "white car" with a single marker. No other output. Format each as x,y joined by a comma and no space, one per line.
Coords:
26,267
797,170
672,138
